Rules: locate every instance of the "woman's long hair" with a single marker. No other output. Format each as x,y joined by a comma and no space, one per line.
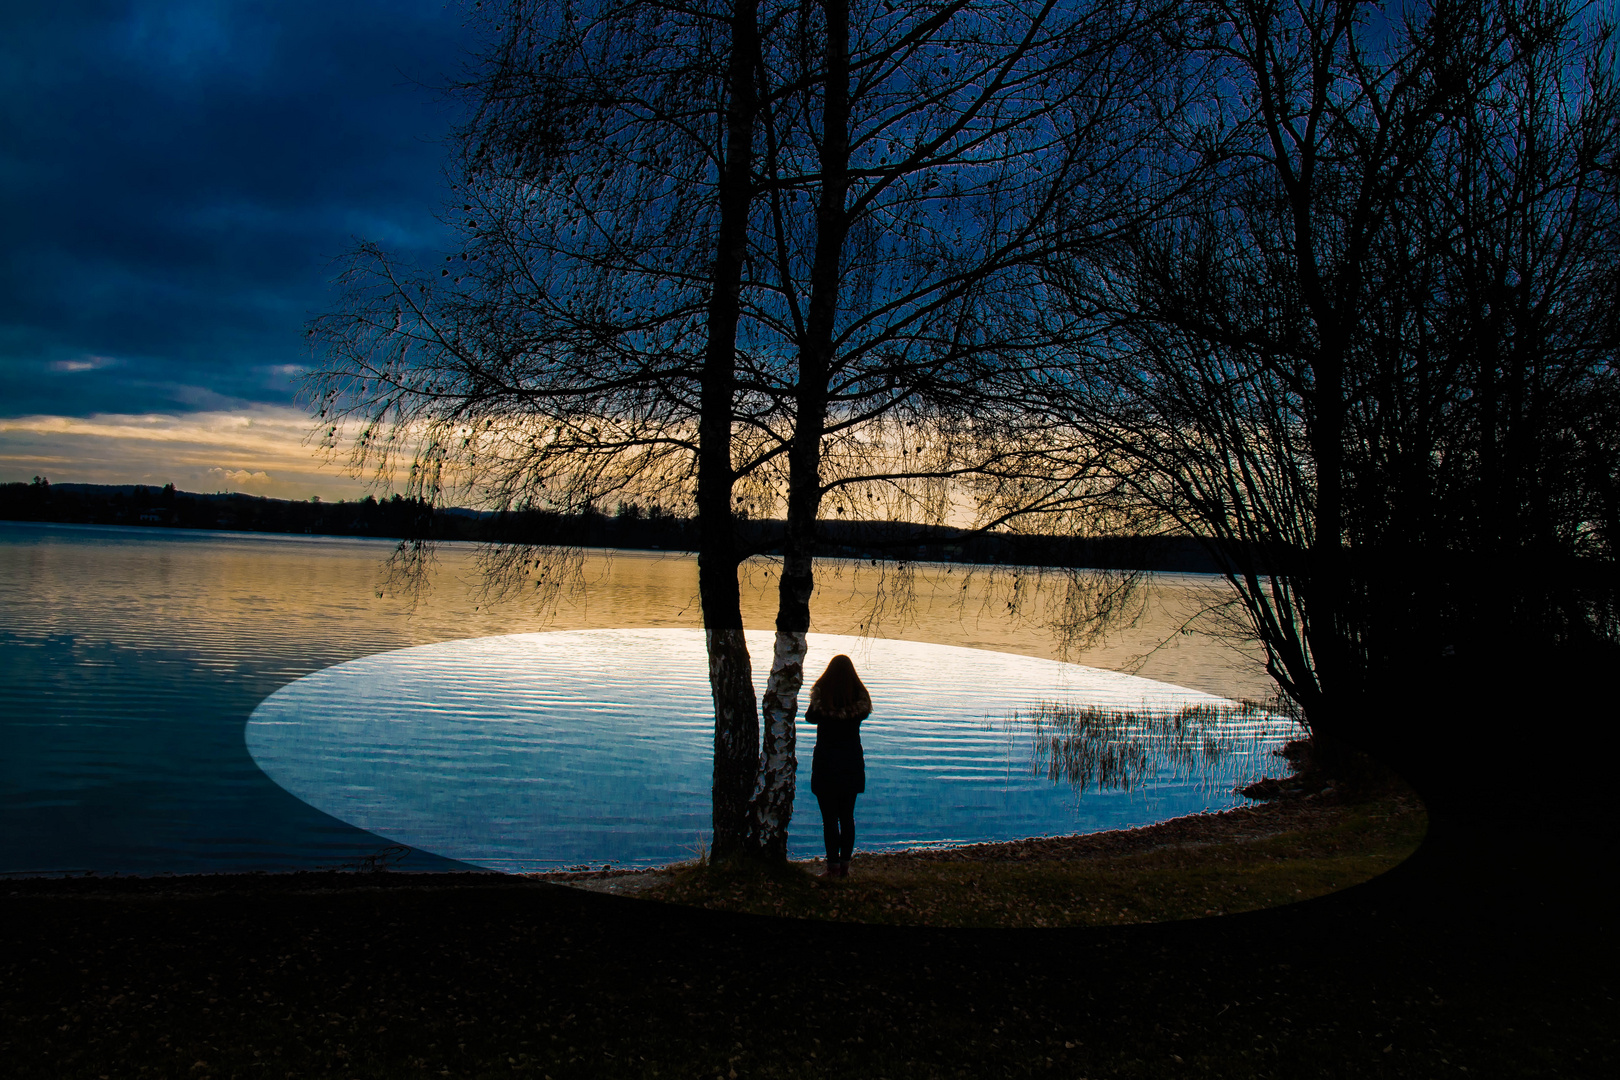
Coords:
839,694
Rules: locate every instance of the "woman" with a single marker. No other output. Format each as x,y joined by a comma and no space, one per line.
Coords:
838,704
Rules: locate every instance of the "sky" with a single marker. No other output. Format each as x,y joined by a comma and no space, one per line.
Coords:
179,180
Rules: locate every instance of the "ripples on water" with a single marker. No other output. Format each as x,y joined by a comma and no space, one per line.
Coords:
132,659
539,751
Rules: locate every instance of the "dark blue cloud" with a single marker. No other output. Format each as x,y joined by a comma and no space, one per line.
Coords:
177,177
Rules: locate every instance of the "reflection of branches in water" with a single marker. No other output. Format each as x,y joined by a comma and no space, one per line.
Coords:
1091,747
892,602
408,573
882,593
1213,618
542,574
1095,603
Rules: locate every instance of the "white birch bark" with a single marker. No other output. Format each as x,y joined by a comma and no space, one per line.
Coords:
777,787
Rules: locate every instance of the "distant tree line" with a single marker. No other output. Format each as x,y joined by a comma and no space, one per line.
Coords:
165,507
630,526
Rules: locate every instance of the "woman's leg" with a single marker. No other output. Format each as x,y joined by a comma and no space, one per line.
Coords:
830,806
846,828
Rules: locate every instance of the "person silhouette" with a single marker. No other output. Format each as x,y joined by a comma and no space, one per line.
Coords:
838,703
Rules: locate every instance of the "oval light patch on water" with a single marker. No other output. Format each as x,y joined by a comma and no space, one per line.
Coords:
538,751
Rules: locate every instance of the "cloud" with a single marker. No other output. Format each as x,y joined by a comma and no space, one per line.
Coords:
191,169
241,478
264,450
86,363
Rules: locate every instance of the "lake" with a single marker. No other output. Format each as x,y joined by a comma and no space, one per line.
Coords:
134,660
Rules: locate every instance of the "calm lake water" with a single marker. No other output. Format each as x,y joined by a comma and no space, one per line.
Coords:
133,660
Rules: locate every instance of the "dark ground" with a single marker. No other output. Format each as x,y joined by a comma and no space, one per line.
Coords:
1491,952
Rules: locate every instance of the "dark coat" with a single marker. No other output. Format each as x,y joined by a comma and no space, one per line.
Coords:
838,766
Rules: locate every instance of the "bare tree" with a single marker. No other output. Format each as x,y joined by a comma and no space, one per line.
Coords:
583,344
1515,296
915,161
755,259
1402,224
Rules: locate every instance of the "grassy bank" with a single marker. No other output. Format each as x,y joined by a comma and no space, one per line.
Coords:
1212,864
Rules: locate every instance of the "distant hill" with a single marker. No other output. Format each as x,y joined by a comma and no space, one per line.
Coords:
630,527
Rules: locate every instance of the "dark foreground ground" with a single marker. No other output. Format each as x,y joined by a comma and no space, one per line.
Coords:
1490,953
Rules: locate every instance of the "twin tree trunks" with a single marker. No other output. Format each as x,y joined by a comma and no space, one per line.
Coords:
1123,269
754,778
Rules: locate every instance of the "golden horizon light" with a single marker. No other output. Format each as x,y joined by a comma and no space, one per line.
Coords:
263,450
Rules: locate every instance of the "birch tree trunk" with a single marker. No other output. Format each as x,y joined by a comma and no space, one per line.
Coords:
773,800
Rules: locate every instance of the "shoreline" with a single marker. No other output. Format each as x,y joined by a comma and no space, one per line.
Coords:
1235,824
1278,849
1247,824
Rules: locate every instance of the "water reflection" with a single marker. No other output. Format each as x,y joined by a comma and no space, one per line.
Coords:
1218,747
131,659
538,751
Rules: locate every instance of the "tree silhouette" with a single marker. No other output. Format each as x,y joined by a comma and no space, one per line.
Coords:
1372,358
581,344
756,259
915,163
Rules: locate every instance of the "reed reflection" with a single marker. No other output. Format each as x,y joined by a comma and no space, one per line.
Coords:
1098,748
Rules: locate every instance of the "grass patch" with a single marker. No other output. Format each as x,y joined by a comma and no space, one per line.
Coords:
1214,864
